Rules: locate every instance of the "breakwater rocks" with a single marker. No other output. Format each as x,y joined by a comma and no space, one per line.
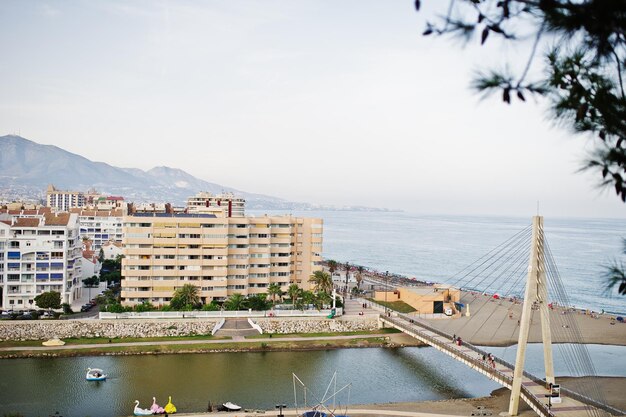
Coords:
62,329
44,330
308,325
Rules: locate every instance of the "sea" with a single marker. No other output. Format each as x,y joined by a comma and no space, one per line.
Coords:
437,248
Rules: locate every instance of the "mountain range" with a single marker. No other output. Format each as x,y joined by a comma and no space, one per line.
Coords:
27,167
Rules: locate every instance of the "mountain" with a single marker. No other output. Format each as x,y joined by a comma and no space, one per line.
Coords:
26,168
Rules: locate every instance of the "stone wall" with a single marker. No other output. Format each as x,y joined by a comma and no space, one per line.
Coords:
309,325
47,329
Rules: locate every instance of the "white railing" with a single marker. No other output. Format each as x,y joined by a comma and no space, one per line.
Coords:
218,326
216,314
255,326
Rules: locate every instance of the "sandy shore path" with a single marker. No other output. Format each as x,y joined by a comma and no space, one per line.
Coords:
498,402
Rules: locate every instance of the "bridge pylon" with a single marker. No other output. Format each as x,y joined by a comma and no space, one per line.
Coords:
535,296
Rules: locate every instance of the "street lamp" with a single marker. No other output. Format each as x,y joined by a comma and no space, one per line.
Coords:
280,409
347,272
386,289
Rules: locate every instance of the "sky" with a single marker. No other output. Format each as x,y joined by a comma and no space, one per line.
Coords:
321,101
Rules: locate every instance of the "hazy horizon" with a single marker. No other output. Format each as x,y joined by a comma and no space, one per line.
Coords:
315,101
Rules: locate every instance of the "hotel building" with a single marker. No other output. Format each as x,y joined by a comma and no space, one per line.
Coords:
39,252
218,254
227,202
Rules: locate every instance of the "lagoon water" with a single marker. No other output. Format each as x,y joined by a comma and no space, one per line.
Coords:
39,387
435,248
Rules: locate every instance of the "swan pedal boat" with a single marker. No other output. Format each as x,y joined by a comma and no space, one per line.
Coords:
231,407
95,374
141,411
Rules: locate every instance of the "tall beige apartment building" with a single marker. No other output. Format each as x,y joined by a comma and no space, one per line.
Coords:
220,255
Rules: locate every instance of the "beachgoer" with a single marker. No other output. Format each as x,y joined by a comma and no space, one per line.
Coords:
454,338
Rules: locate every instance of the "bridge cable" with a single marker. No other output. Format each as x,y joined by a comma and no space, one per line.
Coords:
576,350
513,260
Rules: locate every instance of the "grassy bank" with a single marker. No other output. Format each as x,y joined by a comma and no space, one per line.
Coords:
189,344
104,340
225,346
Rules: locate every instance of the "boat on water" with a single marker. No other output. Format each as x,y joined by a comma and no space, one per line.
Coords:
231,407
95,374
138,411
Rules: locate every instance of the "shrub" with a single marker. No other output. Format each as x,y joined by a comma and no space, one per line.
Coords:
143,307
212,306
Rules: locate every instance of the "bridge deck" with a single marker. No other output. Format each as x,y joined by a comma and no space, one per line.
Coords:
534,390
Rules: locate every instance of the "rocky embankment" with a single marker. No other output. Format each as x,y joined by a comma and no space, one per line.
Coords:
300,325
62,329
43,330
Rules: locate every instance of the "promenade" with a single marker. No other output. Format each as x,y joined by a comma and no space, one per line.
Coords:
189,342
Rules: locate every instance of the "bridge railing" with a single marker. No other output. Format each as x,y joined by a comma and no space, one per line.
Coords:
531,398
445,346
533,401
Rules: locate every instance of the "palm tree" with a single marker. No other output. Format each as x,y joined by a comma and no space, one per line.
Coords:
332,266
323,281
185,296
274,290
359,276
235,302
308,298
322,298
294,292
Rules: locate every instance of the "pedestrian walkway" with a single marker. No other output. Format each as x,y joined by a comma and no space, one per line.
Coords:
188,342
236,327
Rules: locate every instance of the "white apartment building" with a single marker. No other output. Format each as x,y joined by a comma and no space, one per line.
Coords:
220,255
64,200
100,226
227,202
39,252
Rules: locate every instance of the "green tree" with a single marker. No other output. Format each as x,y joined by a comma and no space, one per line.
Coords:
308,298
101,256
259,302
67,308
294,291
143,307
92,281
273,290
235,302
321,299
185,297
212,306
50,299
585,49
322,281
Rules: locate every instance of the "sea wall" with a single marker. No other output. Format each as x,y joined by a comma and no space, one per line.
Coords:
62,329
47,329
308,325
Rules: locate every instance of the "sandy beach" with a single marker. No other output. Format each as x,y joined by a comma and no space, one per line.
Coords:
494,322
